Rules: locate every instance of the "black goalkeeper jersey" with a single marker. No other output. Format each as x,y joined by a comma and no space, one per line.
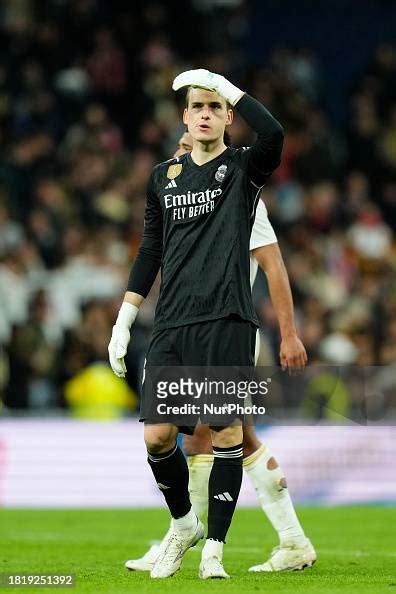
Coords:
198,223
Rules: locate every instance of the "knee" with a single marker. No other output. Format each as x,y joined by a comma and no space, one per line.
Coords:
226,437
159,440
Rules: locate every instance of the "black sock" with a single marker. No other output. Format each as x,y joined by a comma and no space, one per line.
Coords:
224,486
171,473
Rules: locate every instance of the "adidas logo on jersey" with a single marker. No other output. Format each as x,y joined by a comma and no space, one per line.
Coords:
172,184
223,496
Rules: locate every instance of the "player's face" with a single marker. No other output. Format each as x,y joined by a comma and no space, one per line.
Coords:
206,115
185,145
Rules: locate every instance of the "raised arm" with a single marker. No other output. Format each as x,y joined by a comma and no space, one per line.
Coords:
263,157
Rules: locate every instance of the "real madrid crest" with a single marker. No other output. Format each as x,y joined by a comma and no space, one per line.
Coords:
221,173
174,170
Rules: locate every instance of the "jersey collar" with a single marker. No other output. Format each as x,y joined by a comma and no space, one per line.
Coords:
218,158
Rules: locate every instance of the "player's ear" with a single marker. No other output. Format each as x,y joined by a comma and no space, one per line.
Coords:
185,116
230,117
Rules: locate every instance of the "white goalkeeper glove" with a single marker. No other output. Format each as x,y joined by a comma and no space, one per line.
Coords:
208,80
120,337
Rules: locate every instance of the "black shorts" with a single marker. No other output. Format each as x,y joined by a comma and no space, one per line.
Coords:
224,342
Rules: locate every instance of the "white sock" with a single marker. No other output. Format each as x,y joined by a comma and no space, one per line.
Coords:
270,485
212,548
199,467
186,524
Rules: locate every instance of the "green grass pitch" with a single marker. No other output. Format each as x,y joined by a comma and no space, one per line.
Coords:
356,551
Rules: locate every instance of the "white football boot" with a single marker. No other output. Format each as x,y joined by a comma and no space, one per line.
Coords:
288,558
146,563
211,566
170,558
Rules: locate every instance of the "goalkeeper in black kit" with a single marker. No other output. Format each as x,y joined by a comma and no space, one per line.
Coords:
199,215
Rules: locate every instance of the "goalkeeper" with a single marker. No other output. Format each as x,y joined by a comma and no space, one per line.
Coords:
199,215
294,551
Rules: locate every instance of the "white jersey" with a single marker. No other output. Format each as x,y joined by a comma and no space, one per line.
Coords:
262,234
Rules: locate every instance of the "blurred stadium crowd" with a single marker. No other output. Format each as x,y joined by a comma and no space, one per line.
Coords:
86,110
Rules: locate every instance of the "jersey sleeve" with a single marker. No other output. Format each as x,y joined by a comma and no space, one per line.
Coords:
262,231
263,157
148,260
